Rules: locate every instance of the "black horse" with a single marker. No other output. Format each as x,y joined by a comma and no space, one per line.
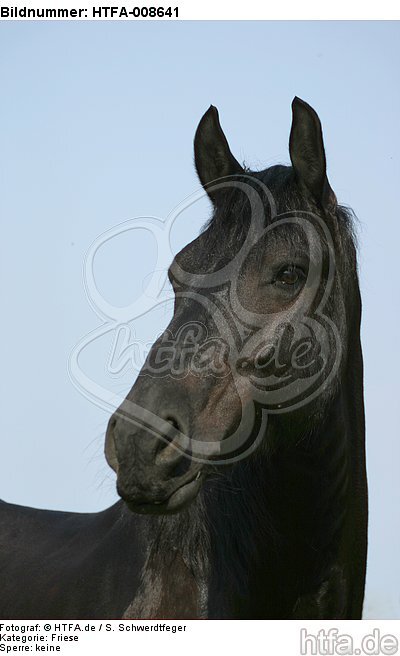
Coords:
244,466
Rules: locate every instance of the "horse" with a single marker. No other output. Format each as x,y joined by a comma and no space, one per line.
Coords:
240,449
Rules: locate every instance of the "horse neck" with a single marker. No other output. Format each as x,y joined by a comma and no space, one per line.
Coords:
284,512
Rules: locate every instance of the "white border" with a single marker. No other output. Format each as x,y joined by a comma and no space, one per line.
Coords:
218,10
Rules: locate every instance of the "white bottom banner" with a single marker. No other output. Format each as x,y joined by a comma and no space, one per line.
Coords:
173,638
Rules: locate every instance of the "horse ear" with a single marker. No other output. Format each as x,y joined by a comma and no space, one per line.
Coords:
212,156
307,153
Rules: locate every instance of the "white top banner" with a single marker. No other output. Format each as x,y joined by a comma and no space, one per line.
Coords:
172,10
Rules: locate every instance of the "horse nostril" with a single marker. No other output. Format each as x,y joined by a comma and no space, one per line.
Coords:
169,434
168,453
174,422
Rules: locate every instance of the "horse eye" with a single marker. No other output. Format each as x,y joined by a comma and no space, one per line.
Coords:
290,275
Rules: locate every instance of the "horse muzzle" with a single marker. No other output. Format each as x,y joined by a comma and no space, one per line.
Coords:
154,476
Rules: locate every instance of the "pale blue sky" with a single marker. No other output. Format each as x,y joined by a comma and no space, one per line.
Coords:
97,124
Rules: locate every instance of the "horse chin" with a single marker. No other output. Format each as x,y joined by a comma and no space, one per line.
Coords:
179,500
